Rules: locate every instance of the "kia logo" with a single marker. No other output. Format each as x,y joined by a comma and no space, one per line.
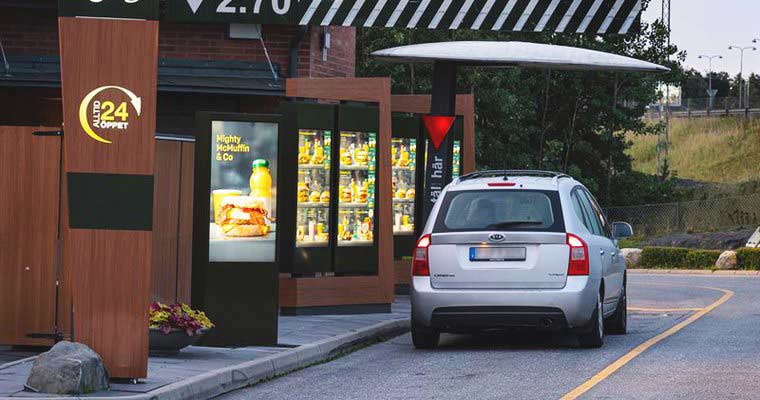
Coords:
496,237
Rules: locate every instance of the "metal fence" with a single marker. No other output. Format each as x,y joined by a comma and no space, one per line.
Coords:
691,216
701,107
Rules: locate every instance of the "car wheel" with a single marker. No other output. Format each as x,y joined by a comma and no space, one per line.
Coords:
423,338
618,322
594,338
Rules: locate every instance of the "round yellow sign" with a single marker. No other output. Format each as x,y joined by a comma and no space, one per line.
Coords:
101,112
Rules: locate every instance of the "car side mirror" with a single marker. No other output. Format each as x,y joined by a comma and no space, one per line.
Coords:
622,230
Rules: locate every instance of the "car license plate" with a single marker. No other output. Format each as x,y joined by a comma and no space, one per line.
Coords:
497,253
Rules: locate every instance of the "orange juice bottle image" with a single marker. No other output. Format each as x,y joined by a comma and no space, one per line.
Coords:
261,182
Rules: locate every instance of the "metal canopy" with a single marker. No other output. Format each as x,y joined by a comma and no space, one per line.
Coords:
515,54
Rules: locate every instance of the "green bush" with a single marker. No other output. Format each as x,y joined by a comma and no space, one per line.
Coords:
664,257
677,257
702,259
748,258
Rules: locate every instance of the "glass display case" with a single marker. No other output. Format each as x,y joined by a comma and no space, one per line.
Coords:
313,188
403,161
329,189
356,188
456,165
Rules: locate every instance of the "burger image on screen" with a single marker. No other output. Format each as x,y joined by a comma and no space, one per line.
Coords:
243,216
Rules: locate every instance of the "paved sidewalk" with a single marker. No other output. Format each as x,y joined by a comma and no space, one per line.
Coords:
204,372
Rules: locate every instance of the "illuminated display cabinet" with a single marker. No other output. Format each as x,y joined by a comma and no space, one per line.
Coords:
408,156
329,189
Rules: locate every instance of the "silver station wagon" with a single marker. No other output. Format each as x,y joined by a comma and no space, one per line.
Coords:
518,249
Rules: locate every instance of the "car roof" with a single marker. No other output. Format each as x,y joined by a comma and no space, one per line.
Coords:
523,179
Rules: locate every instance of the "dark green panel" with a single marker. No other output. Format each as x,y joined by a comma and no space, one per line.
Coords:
110,201
144,9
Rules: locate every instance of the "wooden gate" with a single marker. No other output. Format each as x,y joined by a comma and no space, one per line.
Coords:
29,193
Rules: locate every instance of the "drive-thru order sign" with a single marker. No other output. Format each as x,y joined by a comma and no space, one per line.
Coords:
568,16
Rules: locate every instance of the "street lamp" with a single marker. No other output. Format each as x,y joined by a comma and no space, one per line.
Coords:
709,76
741,68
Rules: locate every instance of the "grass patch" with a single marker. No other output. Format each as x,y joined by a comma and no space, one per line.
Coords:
633,242
719,150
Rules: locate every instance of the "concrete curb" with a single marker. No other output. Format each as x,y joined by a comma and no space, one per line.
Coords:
218,382
17,362
693,272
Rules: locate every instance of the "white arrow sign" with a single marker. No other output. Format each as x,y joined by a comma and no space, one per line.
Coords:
194,5
712,93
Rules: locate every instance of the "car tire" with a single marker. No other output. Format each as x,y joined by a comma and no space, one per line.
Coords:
424,338
618,322
594,338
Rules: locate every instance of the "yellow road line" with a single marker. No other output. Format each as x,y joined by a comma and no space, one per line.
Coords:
663,310
620,362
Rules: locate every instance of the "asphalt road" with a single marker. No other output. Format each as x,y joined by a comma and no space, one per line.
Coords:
696,352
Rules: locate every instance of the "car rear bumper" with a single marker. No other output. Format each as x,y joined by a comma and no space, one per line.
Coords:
462,309
454,319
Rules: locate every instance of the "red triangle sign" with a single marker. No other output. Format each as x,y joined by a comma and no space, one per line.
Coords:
437,127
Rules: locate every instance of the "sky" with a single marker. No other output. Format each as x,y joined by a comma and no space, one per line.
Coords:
709,27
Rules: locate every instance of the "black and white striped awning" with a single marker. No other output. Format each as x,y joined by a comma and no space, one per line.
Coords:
570,16
562,16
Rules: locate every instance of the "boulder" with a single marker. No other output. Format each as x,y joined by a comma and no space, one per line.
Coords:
632,257
68,368
727,260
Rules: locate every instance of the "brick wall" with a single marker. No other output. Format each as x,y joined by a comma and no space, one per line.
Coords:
36,33
25,33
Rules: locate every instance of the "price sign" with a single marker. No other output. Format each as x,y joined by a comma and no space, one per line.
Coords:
605,17
250,11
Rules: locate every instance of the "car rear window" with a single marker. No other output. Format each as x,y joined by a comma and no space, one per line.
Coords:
500,210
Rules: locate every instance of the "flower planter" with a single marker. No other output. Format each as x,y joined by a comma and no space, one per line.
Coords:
172,342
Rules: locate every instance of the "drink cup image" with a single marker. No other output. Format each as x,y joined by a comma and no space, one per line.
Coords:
219,195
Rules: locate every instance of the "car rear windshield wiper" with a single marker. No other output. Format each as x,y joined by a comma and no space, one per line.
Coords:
507,224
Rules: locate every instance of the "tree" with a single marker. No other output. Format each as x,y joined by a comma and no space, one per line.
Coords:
579,127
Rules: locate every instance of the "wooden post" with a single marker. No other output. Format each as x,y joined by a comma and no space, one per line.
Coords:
108,79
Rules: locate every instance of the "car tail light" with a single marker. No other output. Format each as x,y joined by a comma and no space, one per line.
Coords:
502,184
420,265
578,264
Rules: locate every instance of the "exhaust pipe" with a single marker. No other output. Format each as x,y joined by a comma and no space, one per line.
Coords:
546,322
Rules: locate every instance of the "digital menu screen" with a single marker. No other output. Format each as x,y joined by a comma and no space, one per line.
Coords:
243,192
